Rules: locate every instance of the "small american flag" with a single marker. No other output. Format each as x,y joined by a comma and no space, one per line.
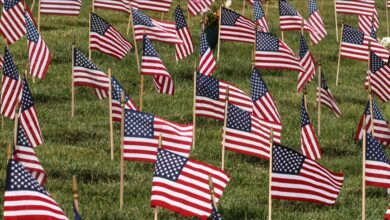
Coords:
61,7
142,132
309,142
1,62
23,193
377,164
207,63
259,16
367,23
357,7
182,185
388,4
327,98
387,214
153,5
106,39
116,95
315,19
381,128
88,74
211,97
24,153
115,5
214,214
274,54
38,53
249,135
264,106
12,23
355,43
156,30
11,86
296,177
307,63
197,6
187,48
152,65
235,27
76,214
379,78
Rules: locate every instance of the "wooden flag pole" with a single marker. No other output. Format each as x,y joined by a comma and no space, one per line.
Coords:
305,98
271,140
224,128
75,192
319,101
335,21
219,31
135,41
2,118
89,36
243,7
387,19
73,89
212,192
364,171
282,32
159,147
32,6
9,152
371,107
110,114
39,15
322,4
339,59
122,166
141,95
16,121
266,8
194,110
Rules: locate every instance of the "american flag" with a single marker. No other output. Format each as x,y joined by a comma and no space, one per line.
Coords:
315,19
115,5
153,5
274,54
377,164
259,16
357,7
381,128
25,199
1,62
379,78
11,86
248,134
187,48
142,132
24,153
367,23
326,96
152,65
211,97
307,63
38,53
182,185
387,214
309,142
12,23
296,177
207,63
116,95
197,6
235,27
264,106
106,39
355,43
86,73
214,214
28,118
61,7
156,30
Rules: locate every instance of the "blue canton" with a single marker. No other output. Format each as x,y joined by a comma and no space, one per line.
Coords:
214,212
32,33
204,45
179,17
149,50
207,86
27,100
9,67
353,36
286,161
258,10
98,25
169,165
305,120
141,19
324,83
116,91
8,4
374,151
286,8
238,119
138,124
21,139
229,17
373,32
375,108
376,63
82,61
266,42
312,6
258,86
303,49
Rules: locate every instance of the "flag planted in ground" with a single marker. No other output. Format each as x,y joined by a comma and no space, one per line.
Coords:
235,27
207,63
61,7
309,142
197,6
116,95
259,16
377,164
379,77
359,7
326,97
153,5
183,31
315,19
117,5
12,22
307,63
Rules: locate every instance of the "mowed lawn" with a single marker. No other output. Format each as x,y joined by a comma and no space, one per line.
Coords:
80,145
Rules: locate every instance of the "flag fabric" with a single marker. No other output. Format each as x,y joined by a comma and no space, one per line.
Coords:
357,7
38,53
116,95
367,23
197,6
377,164
115,5
106,39
211,97
326,96
296,177
379,78
153,5
264,106
355,43
181,185
309,142
207,63
24,154
388,4
25,199
142,132
76,213
249,135
12,23
153,65
11,86
387,214
1,62
381,129
273,53
315,19
156,30
86,73
307,63
235,27
214,214
187,48
259,16
61,7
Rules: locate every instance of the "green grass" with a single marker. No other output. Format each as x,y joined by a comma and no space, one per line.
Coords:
80,145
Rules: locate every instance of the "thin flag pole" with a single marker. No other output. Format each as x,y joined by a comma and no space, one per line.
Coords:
219,31
266,8
364,170
305,98
322,4
243,7
387,19
39,15
371,107
110,113
32,5
73,89
9,151
282,32
141,95
16,124
75,192
339,59
224,128
335,22
271,140
212,192
159,147
194,110
122,166
319,101
89,35
2,118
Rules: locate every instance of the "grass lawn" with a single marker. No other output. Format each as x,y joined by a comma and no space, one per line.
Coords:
80,145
